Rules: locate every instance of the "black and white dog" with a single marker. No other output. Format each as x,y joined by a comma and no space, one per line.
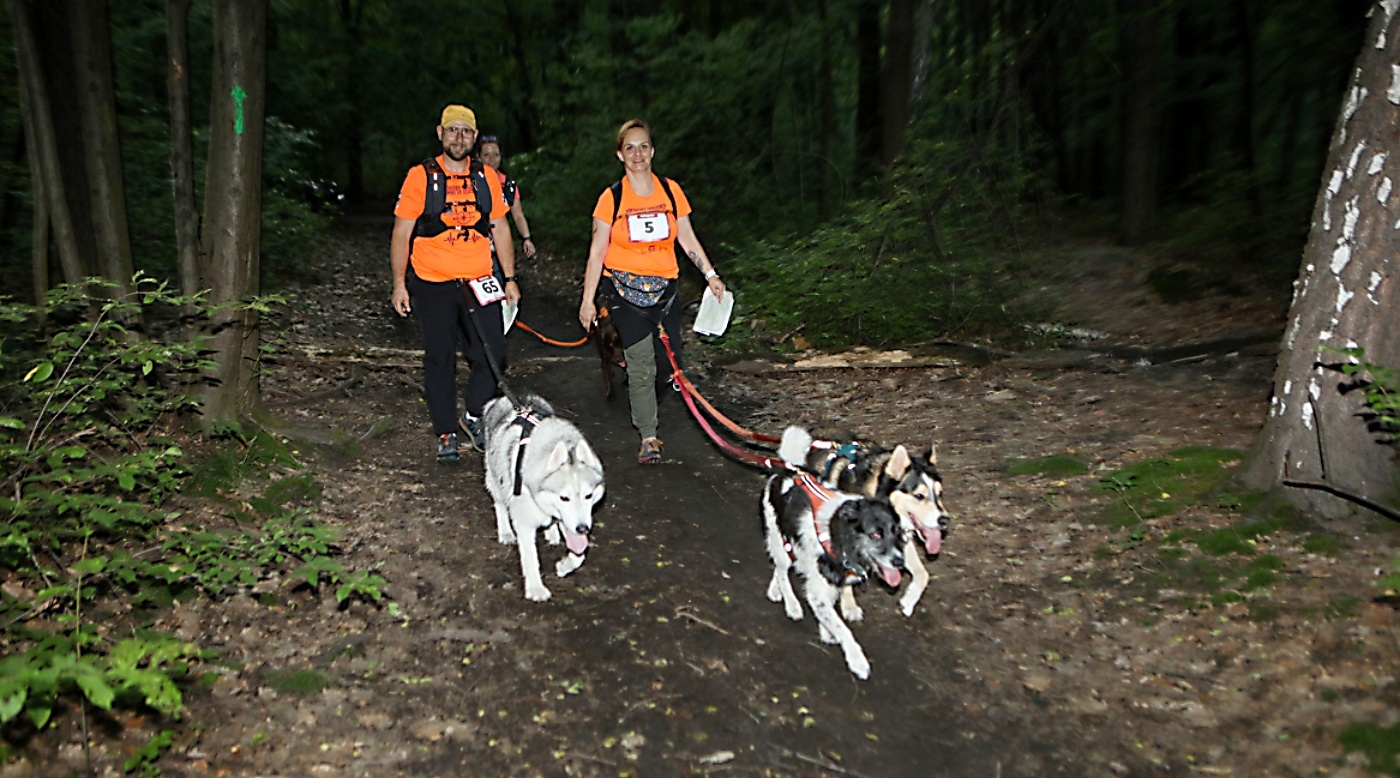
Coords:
833,539
542,475
913,487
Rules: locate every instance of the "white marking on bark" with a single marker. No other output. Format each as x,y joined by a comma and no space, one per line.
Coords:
1392,92
1383,194
1352,217
1293,331
1354,98
1355,157
1335,183
1324,336
1314,388
1377,162
1389,7
1275,407
1340,258
1343,297
1352,357
1307,419
1287,386
1376,279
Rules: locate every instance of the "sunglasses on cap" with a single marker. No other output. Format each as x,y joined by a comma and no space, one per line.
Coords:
488,139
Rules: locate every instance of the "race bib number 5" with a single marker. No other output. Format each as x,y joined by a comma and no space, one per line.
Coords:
487,289
648,227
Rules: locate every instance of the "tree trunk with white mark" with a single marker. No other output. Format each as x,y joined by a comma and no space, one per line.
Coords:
1346,296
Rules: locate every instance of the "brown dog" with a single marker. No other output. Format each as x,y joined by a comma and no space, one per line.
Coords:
609,344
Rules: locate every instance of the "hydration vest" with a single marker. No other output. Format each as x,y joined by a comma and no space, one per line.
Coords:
429,222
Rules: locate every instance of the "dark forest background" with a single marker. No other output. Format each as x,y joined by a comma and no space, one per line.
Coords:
853,164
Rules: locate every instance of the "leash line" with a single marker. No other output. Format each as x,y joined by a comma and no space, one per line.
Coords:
688,395
470,300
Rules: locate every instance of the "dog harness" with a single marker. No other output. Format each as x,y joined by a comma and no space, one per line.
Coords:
818,495
527,422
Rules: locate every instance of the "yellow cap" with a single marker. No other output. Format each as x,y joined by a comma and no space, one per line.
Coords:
458,113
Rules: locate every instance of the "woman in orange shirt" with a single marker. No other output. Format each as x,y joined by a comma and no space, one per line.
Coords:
637,224
489,149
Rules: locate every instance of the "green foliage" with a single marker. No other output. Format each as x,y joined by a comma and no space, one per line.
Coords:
1052,465
1163,485
1381,745
144,758
1381,387
87,401
304,683
56,663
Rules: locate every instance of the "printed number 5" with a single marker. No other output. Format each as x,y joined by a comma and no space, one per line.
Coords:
650,226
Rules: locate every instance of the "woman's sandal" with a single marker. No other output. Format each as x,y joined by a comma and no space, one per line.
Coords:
650,452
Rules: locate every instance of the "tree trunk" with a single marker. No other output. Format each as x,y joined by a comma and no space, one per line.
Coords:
826,120
97,110
868,152
41,136
177,13
350,15
232,206
897,80
1142,66
1345,297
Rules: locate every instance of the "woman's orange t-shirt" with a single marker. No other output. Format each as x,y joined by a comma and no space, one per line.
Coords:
643,236
458,251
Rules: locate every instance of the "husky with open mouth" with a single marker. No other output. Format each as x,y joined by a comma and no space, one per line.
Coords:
542,475
833,539
913,487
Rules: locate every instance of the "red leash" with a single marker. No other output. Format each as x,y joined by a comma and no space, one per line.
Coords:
688,394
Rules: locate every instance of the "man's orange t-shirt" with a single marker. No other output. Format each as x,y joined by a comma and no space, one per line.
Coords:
458,251
644,235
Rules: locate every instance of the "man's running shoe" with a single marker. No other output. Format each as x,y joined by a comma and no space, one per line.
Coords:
447,447
472,426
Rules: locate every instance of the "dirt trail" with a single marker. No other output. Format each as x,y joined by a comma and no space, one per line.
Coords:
1032,653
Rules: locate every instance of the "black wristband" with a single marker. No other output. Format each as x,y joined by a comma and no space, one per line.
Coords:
527,237
510,279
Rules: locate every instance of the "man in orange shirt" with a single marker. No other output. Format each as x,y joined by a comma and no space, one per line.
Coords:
450,210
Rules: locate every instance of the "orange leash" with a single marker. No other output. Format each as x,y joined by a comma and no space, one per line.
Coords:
551,341
602,314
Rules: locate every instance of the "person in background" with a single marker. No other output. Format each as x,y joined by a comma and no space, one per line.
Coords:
637,225
489,149
450,210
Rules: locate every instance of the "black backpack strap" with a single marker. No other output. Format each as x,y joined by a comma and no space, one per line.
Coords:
434,201
482,191
666,187
616,189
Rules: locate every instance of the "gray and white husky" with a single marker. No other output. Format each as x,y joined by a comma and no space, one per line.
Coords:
832,539
542,475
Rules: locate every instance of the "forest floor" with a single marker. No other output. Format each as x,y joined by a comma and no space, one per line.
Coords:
1054,639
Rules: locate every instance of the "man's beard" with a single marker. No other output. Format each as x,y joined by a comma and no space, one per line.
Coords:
454,156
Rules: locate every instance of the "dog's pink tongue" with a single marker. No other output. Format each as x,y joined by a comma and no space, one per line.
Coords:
577,542
933,541
891,576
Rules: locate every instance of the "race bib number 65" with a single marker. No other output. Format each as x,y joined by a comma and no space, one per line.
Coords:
487,289
648,227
